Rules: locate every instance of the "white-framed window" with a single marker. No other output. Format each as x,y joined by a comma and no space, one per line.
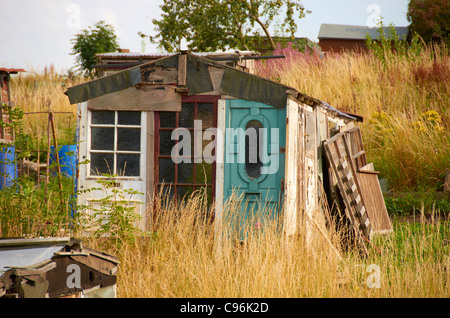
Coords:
115,143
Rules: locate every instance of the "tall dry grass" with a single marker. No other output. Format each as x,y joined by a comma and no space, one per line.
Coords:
37,92
404,102
186,256
188,253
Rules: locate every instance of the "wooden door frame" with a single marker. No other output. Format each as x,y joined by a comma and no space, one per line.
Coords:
156,146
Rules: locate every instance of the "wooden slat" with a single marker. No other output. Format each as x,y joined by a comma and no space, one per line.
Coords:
376,208
359,154
150,163
182,62
354,140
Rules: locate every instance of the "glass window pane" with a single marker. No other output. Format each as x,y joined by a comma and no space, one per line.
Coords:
253,163
205,114
128,139
102,163
128,165
203,173
204,193
209,148
129,118
166,194
102,117
165,142
184,193
185,172
167,119
166,170
102,138
186,118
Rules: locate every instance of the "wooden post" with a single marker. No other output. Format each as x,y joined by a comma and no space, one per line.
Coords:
55,144
38,162
47,177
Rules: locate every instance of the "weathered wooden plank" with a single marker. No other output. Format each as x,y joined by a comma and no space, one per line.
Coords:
216,75
291,211
142,97
155,74
150,163
376,208
182,62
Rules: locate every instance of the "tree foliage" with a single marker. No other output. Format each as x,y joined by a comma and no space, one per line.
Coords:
430,19
211,25
97,39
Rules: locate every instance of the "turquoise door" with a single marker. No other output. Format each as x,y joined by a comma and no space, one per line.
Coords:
254,163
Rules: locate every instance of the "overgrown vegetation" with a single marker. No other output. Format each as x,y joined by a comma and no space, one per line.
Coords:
403,98
404,103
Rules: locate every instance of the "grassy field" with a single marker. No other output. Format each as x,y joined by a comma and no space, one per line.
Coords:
406,119
187,256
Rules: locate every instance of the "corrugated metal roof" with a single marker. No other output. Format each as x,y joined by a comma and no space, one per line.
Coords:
23,252
161,55
11,70
354,32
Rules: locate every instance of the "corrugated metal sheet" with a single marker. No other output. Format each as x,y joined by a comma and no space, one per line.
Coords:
132,55
26,257
11,70
42,267
354,32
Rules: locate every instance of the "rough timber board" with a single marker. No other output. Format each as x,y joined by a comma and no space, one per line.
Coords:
354,140
376,208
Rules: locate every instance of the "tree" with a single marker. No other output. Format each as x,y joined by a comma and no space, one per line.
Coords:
97,39
211,25
430,19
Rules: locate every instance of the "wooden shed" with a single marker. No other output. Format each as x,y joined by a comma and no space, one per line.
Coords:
241,133
112,62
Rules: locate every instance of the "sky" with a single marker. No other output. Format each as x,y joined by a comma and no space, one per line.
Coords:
38,33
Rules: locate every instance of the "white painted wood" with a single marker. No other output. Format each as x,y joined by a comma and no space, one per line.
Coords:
310,172
220,148
290,192
88,183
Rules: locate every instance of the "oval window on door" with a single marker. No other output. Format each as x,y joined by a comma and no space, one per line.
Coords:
253,136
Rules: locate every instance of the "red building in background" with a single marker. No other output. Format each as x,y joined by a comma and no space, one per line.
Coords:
338,38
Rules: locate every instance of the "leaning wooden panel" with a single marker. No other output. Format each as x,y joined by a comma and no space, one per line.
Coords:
338,155
376,208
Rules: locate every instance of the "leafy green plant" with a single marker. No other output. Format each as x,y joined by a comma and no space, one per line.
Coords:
389,46
113,215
